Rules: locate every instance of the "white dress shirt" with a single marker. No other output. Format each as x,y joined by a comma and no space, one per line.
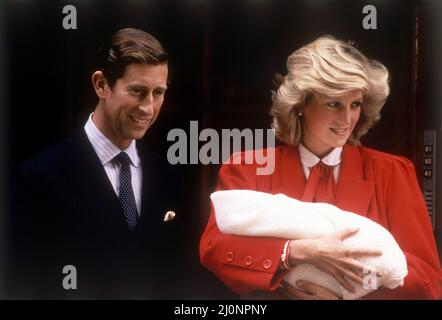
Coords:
107,151
309,160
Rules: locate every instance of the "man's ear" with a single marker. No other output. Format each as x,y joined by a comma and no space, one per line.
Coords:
100,84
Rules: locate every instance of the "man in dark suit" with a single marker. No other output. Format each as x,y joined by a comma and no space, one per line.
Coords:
98,201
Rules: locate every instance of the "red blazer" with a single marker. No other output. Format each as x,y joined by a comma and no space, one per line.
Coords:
377,185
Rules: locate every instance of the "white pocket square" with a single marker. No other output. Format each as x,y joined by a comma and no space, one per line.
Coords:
170,215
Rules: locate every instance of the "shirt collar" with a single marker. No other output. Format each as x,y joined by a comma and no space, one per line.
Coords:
309,160
104,148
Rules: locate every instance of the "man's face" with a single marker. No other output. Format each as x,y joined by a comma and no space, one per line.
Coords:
134,102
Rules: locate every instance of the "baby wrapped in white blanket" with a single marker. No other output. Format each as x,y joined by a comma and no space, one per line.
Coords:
259,214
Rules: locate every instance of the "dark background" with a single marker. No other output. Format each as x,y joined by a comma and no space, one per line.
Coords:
223,58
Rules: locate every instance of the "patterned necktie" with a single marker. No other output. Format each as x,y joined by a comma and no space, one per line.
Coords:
320,185
126,193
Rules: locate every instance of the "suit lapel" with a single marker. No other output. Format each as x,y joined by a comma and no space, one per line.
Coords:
156,194
86,174
147,184
161,193
353,192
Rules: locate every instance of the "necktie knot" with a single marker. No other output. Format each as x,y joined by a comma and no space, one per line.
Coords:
123,159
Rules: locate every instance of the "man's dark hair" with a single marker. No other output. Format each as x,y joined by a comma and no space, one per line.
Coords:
128,46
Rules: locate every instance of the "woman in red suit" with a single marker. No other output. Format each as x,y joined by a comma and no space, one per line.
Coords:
331,96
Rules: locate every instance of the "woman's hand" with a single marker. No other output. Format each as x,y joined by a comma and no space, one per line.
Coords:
330,255
309,291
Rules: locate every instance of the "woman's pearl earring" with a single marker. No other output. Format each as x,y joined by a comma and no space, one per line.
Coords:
300,113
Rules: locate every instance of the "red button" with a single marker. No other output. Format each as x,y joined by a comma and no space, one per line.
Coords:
229,256
248,261
267,264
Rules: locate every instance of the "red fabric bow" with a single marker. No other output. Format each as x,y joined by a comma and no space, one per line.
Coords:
321,185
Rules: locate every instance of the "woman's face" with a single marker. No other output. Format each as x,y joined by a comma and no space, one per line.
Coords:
328,122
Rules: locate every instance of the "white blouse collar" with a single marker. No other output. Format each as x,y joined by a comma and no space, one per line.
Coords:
309,160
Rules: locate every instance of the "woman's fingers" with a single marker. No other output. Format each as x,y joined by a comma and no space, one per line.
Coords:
317,292
346,233
362,252
338,272
343,282
355,271
293,293
352,252
309,291
331,255
352,276
358,267
353,264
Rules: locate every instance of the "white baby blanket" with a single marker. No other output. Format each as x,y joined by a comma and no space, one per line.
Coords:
259,214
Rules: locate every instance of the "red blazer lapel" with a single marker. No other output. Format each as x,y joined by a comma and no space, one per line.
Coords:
353,193
289,178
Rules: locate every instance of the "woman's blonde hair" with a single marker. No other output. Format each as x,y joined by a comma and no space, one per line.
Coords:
332,68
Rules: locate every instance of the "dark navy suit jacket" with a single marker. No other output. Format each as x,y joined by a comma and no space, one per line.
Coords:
65,212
